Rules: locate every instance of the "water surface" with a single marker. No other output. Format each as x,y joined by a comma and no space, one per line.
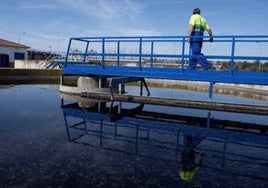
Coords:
48,140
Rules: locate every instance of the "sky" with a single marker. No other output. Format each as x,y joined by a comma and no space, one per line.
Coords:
48,24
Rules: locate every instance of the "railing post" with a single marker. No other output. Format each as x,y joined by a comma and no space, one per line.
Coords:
183,52
103,52
232,57
140,53
118,52
152,53
190,54
85,54
68,51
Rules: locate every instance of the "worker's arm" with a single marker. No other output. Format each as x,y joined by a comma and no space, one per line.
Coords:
191,29
210,34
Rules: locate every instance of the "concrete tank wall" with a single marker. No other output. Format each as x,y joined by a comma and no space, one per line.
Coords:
32,64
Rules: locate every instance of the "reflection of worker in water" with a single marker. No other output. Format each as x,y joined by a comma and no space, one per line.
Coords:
190,160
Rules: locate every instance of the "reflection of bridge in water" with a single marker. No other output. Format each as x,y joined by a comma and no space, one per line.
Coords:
158,136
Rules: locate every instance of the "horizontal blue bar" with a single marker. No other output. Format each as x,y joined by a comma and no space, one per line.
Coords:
163,37
171,56
166,40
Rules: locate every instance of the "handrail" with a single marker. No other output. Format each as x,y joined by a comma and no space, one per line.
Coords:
146,48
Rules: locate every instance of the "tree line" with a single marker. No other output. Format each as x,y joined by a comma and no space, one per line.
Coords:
255,66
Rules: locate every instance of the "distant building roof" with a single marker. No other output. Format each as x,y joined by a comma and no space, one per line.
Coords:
11,44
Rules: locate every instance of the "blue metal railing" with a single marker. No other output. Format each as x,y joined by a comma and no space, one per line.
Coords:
152,40
109,56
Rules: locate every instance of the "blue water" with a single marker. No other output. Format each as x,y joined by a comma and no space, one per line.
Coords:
48,140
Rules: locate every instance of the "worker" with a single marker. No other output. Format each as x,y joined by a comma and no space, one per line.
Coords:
197,26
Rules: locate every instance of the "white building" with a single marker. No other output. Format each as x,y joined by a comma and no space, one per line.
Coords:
9,51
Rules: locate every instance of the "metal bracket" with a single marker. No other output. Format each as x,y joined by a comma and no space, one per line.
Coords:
119,80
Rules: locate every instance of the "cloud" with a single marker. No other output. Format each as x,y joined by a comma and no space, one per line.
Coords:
101,9
174,2
138,32
37,5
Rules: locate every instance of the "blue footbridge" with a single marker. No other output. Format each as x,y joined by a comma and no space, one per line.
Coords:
136,58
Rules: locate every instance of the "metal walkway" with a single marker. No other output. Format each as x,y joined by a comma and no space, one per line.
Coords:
165,57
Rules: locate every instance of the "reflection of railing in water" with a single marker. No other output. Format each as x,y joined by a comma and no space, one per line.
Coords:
116,112
163,141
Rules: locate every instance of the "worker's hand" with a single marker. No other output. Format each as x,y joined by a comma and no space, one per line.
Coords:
189,40
211,39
